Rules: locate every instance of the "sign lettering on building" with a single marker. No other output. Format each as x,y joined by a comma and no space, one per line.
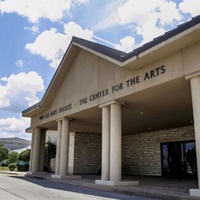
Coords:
115,88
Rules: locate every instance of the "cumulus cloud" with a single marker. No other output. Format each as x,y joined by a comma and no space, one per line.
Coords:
14,127
126,44
51,44
34,10
190,6
19,91
150,19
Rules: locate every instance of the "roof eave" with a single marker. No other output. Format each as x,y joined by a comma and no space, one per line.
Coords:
164,48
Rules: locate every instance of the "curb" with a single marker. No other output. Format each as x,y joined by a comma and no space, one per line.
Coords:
138,191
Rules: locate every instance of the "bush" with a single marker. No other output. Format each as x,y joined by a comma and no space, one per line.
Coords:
12,166
23,167
12,157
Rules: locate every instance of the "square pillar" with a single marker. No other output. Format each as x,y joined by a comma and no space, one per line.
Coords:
64,148
36,150
32,147
195,93
58,147
115,142
105,165
42,150
111,145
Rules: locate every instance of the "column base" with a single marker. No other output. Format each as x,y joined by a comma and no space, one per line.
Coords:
195,192
116,183
65,177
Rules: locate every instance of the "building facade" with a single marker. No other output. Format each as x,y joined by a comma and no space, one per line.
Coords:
126,113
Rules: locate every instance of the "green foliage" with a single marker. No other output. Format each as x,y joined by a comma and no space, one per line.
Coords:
12,166
50,152
23,168
23,160
25,155
12,157
3,152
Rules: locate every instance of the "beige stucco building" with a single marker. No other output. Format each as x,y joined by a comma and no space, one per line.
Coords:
130,113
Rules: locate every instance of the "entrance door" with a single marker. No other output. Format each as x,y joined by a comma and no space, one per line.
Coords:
179,159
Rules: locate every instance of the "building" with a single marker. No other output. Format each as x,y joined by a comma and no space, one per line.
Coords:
130,113
16,144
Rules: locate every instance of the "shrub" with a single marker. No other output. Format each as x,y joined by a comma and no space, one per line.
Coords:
22,166
12,166
12,157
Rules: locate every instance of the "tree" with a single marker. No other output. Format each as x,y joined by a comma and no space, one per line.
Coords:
12,157
25,155
23,160
3,152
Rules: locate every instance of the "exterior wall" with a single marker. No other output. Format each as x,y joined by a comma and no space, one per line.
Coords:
141,153
71,153
87,153
98,75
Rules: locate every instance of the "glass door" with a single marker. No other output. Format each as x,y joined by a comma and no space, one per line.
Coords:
179,159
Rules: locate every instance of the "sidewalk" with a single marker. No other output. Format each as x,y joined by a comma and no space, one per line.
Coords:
156,187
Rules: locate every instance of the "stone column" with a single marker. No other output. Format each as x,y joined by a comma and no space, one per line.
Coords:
105,166
58,147
64,148
32,147
42,150
115,142
36,150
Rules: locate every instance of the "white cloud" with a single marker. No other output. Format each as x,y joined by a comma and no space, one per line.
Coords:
14,127
33,10
20,63
51,44
150,19
126,44
190,6
36,9
18,92
34,29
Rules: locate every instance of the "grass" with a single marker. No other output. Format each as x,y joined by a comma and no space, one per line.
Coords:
2,168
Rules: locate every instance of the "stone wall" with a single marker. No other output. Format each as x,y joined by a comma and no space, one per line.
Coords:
71,153
87,153
141,153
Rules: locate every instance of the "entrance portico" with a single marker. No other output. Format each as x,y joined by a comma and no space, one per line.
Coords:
137,102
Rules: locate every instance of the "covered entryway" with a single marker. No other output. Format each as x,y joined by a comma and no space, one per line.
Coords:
138,102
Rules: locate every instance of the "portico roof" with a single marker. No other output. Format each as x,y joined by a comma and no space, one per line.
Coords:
178,38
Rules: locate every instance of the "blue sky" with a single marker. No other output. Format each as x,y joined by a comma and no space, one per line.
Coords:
34,34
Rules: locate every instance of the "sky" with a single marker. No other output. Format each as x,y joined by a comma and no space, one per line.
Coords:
34,35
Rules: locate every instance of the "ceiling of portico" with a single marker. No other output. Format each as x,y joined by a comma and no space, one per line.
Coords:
165,106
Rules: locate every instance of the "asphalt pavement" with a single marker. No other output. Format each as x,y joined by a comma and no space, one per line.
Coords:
150,187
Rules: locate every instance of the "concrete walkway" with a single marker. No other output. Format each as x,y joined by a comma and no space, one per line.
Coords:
157,187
